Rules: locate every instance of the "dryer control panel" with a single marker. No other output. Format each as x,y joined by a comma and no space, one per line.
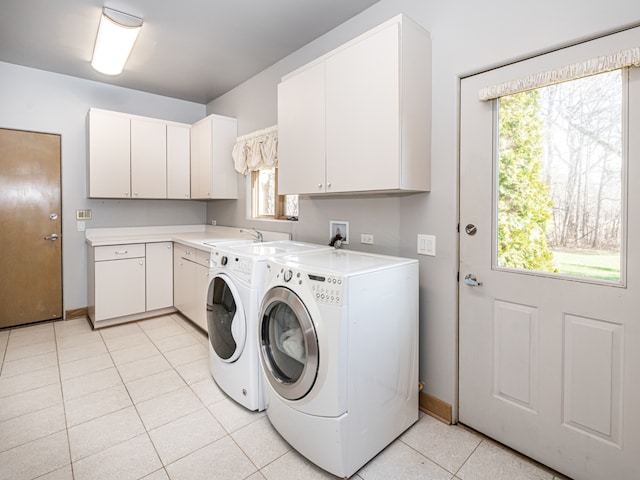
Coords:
326,288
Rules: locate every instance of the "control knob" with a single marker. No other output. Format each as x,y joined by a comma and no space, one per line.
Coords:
288,275
224,260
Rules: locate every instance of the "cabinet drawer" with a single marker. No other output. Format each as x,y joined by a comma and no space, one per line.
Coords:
118,252
188,253
203,257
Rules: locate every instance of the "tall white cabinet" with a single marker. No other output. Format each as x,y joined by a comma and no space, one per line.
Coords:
148,158
212,171
358,118
109,154
178,161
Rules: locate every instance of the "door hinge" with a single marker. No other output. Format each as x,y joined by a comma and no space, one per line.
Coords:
458,277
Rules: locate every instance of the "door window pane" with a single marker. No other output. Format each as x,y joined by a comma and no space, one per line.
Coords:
559,182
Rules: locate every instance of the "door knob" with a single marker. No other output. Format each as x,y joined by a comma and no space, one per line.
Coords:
53,236
470,279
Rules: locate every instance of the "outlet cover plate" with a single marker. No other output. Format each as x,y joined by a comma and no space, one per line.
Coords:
366,238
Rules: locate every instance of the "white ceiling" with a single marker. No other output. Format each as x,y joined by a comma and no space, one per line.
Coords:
189,49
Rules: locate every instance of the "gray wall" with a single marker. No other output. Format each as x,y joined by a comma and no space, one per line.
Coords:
46,102
468,36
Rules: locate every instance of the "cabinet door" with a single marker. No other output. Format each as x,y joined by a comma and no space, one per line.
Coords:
159,275
178,162
224,178
119,288
301,132
184,284
363,118
109,155
148,159
200,307
201,170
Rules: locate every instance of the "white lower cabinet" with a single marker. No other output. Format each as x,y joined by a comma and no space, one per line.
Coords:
119,288
129,282
184,280
159,275
190,283
119,281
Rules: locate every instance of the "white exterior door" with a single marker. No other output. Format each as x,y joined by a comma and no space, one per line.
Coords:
549,362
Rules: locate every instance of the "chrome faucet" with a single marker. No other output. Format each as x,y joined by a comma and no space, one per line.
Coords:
255,234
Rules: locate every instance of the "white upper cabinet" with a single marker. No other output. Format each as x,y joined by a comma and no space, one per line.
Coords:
137,157
212,170
148,158
359,118
301,132
109,154
178,162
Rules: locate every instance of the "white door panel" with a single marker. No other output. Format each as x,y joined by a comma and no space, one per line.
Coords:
549,365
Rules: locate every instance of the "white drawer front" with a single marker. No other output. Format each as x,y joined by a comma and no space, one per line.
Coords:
188,253
202,257
118,252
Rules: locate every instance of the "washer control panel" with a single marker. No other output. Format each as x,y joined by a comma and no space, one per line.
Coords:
241,266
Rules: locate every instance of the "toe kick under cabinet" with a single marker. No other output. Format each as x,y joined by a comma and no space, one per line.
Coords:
129,282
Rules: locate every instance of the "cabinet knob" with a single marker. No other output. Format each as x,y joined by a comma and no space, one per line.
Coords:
135,193
328,185
169,247
126,194
319,185
140,262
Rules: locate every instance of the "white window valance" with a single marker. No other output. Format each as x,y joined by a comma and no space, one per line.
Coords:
607,63
256,150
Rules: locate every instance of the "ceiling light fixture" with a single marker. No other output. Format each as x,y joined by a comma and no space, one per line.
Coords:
116,35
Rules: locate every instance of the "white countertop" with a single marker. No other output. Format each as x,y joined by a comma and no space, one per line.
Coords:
192,235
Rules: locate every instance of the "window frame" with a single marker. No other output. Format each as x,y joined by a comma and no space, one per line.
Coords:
279,201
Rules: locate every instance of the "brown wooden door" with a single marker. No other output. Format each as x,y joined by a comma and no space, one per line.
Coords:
30,227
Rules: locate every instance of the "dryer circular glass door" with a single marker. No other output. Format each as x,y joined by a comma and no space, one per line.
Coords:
225,319
288,344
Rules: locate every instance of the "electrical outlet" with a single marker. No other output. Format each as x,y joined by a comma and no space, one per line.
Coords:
366,238
427,245
81,225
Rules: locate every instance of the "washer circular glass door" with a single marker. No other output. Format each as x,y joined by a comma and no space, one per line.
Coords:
288,344
225,319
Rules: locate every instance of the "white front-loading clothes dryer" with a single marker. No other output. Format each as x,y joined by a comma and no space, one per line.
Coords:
338,336
236,287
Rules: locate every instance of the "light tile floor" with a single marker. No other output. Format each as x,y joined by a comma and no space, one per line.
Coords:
137,401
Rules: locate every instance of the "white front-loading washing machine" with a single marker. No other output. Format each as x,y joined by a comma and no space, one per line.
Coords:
338,337
236,287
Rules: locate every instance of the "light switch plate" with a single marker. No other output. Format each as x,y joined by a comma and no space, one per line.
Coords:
83,214
427,245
